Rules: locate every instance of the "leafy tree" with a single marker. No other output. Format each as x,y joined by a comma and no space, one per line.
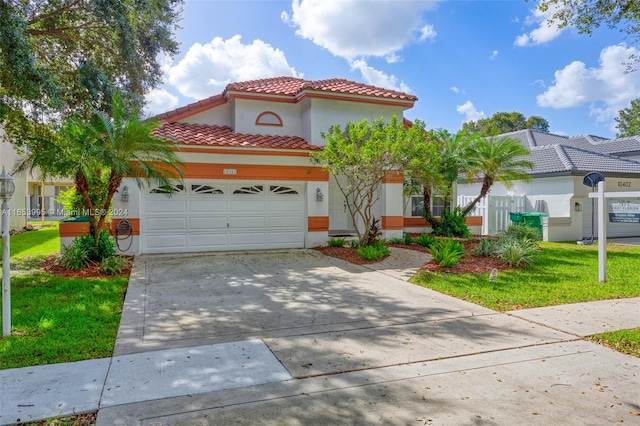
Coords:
497,159
99,153
588,15
60,58
505,122
362,153
628,120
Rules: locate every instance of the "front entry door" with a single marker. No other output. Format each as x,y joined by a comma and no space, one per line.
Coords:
339,217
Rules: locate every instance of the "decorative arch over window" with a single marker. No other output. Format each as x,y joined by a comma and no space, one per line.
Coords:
206,189
253,190
282,190
269,118
168,190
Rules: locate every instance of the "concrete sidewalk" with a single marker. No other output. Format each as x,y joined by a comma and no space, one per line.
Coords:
297,338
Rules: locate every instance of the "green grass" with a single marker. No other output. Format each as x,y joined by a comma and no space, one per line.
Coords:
626,341
56,319
30,248
561,273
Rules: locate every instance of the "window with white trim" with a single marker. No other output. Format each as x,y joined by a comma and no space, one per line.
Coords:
417,205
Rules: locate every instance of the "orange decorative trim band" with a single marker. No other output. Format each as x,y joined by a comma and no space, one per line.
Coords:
264,119
254,172
417,222
318,223
134,221
392,222
393,176
473,221
75,229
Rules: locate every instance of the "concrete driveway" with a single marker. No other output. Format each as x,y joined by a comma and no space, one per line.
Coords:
361,347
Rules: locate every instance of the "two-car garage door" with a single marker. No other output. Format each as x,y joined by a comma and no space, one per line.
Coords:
209,215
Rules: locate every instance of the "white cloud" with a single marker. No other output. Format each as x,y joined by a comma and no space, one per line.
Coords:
455,89
494,54
428,32
160,100
353,29
607,88
470,112
379,78
207,68
544,32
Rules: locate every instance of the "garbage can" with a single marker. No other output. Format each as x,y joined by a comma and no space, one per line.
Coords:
516,217
533,220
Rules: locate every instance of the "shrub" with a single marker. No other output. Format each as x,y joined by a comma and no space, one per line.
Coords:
452,224
354,244
521,231
114,265
104,249
396,240
517,252
447,252
337,242
486,247
425,240
373,252
74,257
373,233
408,239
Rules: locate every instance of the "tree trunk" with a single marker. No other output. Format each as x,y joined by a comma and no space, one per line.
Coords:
426,202
82,186
486,185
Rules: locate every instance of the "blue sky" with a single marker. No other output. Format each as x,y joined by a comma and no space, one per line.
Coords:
463,59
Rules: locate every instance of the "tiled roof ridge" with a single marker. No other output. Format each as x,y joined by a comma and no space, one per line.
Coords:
601,154
297,85
562,154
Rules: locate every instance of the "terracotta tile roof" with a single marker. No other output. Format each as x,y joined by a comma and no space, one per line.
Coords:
292,86
197,134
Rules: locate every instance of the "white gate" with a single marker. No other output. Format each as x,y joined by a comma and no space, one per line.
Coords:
494,210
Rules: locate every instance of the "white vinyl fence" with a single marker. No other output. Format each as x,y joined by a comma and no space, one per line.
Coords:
494,210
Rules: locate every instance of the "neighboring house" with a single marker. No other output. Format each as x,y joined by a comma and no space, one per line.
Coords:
249,181
557,189
26,202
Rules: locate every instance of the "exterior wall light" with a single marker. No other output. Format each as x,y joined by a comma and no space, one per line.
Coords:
319,194
125,194
577,207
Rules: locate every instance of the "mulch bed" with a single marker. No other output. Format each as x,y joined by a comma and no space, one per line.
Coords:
469,264
92,271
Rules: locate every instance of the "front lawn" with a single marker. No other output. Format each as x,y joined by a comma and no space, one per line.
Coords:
626,341
53,318
562,273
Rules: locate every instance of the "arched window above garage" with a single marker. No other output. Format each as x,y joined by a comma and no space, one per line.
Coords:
269,118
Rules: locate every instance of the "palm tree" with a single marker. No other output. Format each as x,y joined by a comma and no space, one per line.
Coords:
454,153
100,153
497,159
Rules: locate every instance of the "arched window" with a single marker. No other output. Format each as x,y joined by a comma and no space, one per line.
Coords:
269,118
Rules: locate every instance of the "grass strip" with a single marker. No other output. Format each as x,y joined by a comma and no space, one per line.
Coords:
561,273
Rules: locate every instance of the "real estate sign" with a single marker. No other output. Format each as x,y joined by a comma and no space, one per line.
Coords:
624,211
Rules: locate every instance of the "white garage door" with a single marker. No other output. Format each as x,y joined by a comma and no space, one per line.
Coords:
206,215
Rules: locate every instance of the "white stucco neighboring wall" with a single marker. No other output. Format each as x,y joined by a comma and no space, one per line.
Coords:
317,208
18,203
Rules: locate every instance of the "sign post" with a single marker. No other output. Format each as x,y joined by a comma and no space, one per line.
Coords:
602,224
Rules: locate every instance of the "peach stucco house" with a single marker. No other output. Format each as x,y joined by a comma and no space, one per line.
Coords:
249,180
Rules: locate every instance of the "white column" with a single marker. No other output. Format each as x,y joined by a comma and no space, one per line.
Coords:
602,234
6,272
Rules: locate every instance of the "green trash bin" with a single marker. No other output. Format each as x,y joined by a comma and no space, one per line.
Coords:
533,220
516,217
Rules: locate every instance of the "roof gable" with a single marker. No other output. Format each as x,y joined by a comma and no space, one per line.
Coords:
292,89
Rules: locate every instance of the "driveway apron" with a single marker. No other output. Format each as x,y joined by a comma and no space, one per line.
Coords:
356,346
